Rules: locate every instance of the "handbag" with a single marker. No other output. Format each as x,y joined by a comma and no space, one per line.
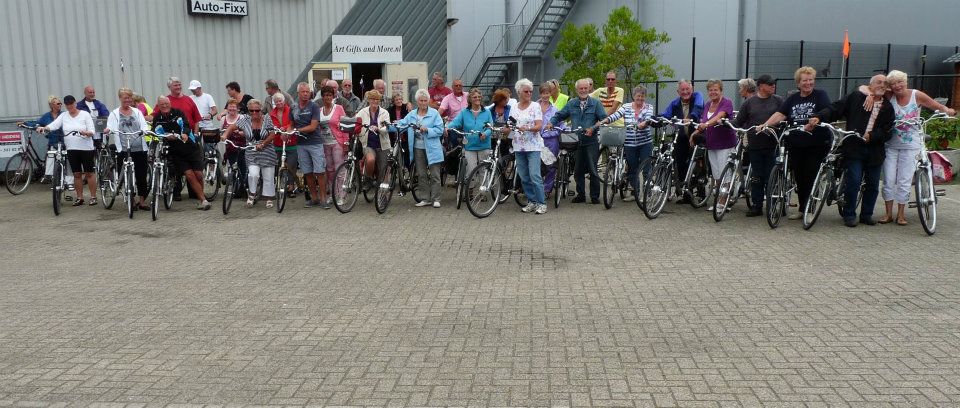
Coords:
546,156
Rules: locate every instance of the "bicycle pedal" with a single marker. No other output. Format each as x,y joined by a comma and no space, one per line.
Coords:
912,204
940,192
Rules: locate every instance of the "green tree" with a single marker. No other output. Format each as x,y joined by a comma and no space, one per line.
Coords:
624,46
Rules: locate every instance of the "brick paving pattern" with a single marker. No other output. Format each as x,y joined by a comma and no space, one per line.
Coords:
432,307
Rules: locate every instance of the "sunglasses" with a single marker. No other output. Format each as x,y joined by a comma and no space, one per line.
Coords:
611,79
254,110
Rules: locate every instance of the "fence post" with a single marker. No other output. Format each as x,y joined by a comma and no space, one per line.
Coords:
693,62
746,62
923,68
846,73
801,54
888,57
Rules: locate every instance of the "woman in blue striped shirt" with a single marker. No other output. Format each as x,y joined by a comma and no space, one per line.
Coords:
638,144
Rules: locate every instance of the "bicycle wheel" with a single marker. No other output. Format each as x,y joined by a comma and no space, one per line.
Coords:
656,189
838,195
413,185
818,197
17,173
128,190
777,198
281,184
519,195
57,187
461,187
211,183
486,193
608,185
723,196
746,184
926,200
347,191
168,183
388,181
700,186
638,195
559,185
157,190
231,187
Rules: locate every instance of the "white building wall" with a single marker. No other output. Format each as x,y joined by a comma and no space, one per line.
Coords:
56,47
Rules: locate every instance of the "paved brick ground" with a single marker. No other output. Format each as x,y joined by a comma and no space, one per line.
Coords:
431,307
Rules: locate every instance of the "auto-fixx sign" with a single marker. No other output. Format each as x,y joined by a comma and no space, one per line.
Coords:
235,8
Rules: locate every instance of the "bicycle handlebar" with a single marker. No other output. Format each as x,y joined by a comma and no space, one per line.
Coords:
247,147
726,122
462,133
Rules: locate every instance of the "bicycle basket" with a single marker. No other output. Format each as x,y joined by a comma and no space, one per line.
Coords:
210,135
612,136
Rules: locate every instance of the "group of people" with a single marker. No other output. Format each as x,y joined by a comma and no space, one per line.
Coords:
327,116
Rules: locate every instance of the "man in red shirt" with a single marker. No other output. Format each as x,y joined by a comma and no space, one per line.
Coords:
184,104
438,91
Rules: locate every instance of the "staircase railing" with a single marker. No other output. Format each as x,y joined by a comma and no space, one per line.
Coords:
501,39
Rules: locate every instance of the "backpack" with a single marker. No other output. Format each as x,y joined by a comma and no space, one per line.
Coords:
942,169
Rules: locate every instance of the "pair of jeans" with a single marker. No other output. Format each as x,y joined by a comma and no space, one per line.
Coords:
635,155
528,168
428,176
586,161
858,172
762,161
805,163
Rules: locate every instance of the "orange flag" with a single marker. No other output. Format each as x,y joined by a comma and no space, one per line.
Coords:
846,44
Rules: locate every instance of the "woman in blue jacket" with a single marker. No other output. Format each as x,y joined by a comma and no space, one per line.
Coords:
425,148
474,118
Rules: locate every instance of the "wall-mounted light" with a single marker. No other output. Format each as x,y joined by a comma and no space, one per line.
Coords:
452,21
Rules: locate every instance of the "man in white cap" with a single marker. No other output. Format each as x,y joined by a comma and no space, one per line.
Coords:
205,104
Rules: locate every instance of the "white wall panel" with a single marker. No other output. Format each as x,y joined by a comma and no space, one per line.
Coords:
57,47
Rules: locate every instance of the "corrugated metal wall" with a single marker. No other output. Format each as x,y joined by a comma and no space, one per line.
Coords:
422,23
57,46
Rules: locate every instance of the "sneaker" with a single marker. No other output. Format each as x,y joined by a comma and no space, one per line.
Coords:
204,205
249,202
78,202
594,201
308,204
868,221
93,201
578,199
795,216
436,204
530,207
710,208
628,198
852,222
423,203
324,205
754,213
541,209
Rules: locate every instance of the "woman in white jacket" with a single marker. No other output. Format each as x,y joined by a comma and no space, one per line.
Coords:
128,119
80,151
375,139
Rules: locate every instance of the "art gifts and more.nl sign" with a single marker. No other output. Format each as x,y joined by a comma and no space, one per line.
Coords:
367,48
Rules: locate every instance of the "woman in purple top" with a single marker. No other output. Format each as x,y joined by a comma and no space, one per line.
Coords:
551,137
721,140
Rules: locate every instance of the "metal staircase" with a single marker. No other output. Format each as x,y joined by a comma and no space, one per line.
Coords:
508,50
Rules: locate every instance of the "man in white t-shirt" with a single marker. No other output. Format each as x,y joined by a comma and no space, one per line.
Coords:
205,104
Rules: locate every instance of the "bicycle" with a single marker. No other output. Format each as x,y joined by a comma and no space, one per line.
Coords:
734,181
925,200
780,184
698,182
615,180
463,188
663,174
23,166
212,163
161,182
348,182
58,181
396,173
830,180
127,183
489,179
569,143
283,178
235,177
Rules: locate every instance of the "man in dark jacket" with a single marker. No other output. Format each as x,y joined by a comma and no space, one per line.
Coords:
688,105
584,112
863,160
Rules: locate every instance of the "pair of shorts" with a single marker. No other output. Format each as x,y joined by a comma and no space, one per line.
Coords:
187,160
311,159
82,161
